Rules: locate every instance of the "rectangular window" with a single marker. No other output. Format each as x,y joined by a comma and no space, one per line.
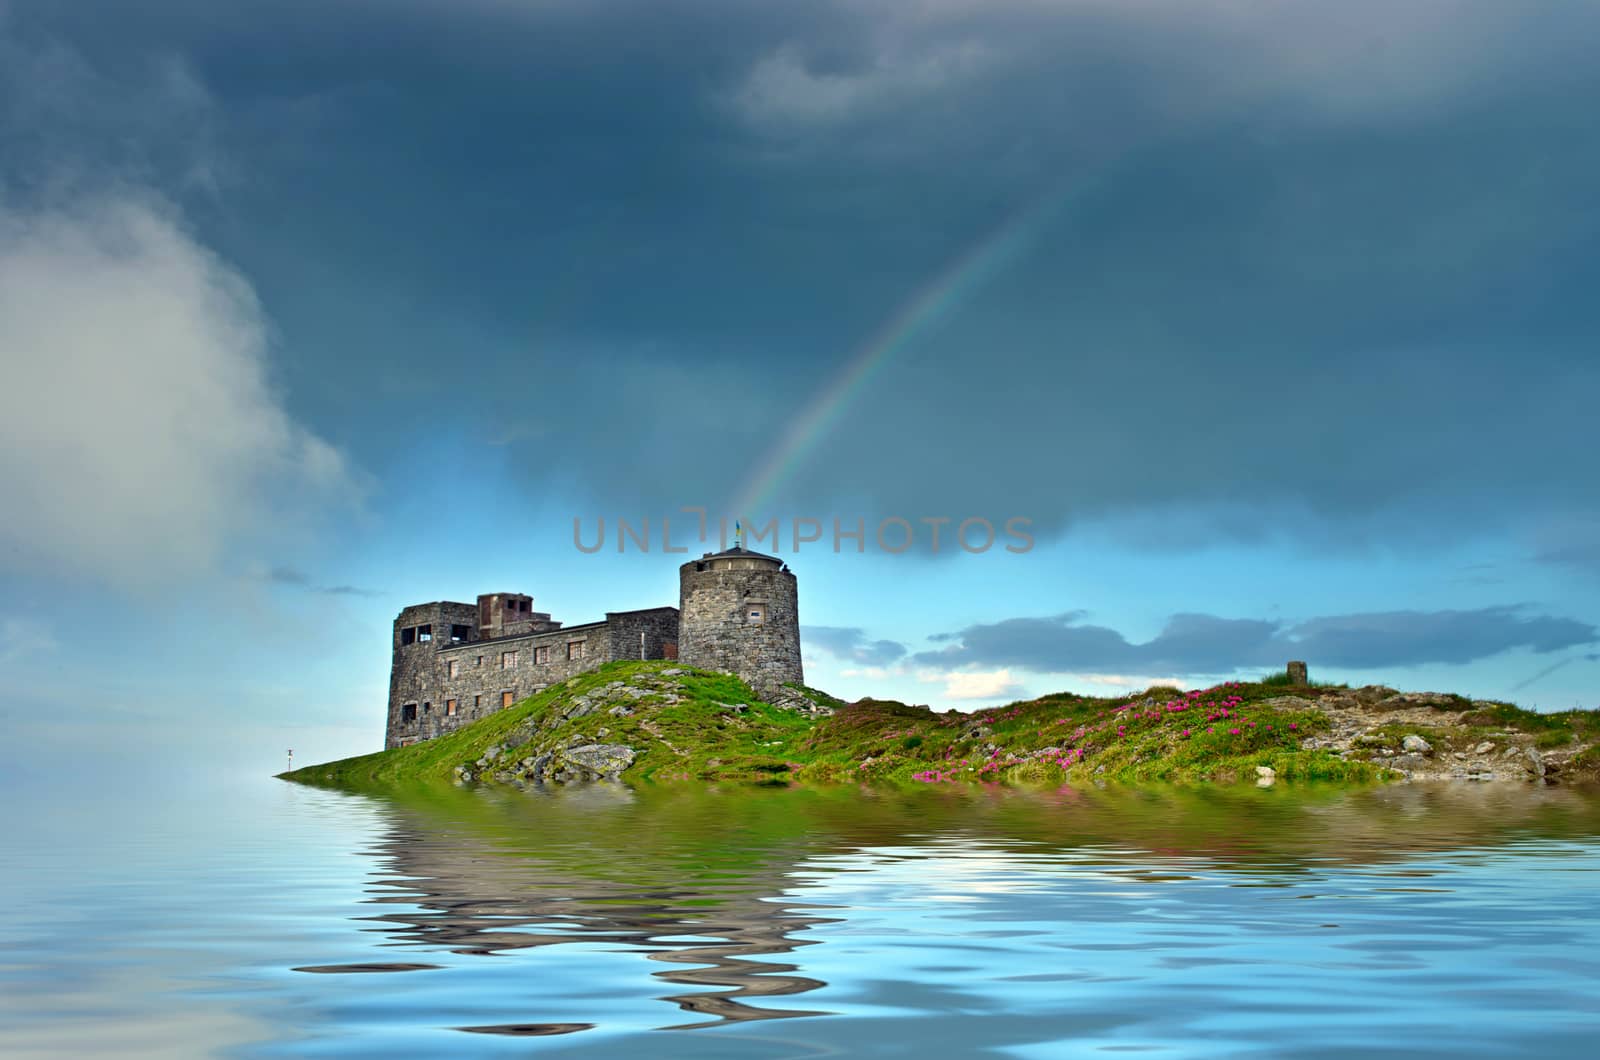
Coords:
427,708
541,655
424,634
756,614
505,699
450,708
459,634
408,713
452,668
480,661
477,702
508,659
408,635
574,649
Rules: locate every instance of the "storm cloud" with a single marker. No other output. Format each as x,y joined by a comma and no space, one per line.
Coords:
852,645
1314,271
1208,644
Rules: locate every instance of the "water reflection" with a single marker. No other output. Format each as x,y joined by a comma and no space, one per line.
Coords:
723,886
516,882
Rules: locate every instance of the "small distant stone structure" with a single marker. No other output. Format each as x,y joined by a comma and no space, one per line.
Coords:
455,663
1297,674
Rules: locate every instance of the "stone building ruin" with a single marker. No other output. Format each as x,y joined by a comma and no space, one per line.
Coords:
455,663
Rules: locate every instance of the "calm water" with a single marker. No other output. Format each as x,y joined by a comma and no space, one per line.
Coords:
275,920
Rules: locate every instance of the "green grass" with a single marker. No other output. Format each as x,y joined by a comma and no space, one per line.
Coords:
1280,679
697,726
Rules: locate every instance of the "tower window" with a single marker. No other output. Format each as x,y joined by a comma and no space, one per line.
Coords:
755,614
424,634
450,708
541,655
574,649
505,699
508,659
452,668
459,634
408,714
408,635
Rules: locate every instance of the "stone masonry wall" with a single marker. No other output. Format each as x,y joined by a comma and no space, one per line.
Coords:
715,633
659,627
486,670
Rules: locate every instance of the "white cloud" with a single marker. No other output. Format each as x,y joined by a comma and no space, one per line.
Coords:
975,684
785,89
1132,683
142,436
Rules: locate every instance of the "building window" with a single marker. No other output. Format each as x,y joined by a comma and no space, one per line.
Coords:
449,708
574,649
408,714
424,634
508,659
541,655
755,614
460,634
479,663
452,668
477,702
427,708
408,635
505,699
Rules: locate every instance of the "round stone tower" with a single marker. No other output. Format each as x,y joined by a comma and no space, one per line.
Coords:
739,611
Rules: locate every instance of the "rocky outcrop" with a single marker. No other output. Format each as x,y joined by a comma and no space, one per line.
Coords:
1370,724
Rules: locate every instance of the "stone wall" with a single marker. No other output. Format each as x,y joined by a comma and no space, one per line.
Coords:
650,634
715,629
486,671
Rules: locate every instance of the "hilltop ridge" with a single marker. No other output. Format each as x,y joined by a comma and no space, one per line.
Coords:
664,722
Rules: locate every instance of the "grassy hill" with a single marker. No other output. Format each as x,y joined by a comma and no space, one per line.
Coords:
663,722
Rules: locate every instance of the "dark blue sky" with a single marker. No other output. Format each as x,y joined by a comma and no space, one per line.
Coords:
1274,319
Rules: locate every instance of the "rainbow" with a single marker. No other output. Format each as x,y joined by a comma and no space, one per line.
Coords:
911,320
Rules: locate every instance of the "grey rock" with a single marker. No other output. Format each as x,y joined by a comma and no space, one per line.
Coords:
1266,772
608,759
622,710
1416,745
1536,763
1407,762
1483,748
